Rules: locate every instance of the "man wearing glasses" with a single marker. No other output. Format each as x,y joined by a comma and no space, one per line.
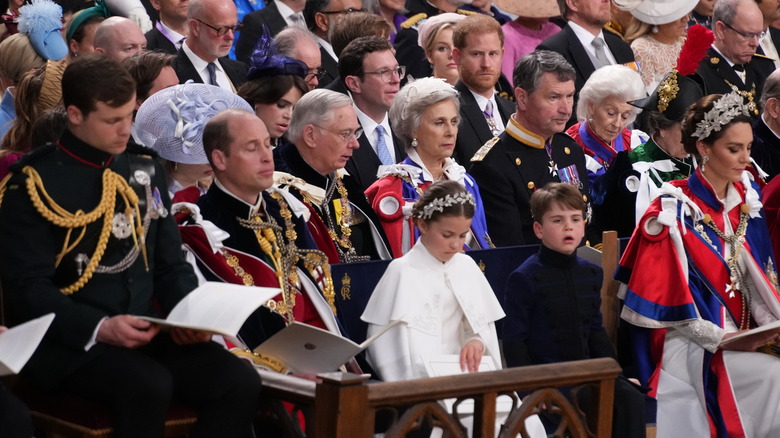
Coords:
324,130
732,62
203,56
319,15
369,70
300,44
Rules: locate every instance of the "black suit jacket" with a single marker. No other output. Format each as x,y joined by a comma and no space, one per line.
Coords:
365,162
474,131
155,40
338,86
331,67
715,71
253,29
236,71
567,44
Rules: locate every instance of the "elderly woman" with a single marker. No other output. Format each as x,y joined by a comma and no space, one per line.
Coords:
625,191
603,112
275,84
435,38
171,122
657,35
425,116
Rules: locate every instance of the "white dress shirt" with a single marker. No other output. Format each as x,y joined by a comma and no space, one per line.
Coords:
201,67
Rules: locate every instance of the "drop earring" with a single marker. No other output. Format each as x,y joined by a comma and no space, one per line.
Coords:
703,162
414,143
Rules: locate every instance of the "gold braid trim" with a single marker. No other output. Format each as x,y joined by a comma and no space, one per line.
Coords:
113,185
3,185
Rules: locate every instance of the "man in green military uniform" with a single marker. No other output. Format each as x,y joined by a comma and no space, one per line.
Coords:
533,150
85,233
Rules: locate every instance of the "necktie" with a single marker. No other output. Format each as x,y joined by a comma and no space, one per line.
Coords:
490,120
212,69
298,20
601,54
381,146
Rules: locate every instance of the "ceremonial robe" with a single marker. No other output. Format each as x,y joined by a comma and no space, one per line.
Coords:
681,297
400,186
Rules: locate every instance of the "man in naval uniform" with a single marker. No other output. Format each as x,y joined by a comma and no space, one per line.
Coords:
732,62
86,233
533,150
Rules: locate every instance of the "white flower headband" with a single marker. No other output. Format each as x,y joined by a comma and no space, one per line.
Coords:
725,109
438,204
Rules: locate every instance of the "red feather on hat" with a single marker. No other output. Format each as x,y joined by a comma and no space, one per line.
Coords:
694,49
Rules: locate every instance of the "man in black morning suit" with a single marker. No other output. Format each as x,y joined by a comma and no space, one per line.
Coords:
96,271
731,61
205,47
586,19
169,32
372,94
277,15
478,43
318,15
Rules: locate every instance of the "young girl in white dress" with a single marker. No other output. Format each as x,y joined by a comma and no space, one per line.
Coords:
441,296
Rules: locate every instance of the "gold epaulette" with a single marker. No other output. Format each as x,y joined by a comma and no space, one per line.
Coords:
758,55
483,151
408,24
465,12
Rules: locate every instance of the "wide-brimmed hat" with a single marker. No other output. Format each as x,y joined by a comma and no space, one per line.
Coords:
657,12
171,121
530,8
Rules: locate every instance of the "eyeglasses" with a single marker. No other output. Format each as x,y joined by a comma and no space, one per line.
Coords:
345,135
387,74
318,72
222,31
746,36
343,11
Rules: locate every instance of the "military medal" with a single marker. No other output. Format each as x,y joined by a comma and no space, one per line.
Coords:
552,167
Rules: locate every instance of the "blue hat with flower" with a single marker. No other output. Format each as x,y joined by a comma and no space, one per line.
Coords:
171,121
266,61
41,21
